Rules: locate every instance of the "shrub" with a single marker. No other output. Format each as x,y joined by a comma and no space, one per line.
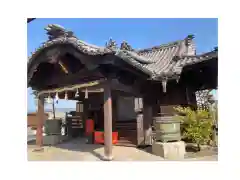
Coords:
196,126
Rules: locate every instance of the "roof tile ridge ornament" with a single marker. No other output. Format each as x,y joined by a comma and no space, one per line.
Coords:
189,38
127,50
125,46
111,44
180,52
56,31
162,46
189,43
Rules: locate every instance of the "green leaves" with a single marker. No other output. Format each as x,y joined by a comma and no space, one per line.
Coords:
196,125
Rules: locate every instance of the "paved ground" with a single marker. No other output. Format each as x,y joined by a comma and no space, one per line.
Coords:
78,150
205,158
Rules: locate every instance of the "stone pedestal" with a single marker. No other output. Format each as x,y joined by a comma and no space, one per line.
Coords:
53,139
169,150
106,158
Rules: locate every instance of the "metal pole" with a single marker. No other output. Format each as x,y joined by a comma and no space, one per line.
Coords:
53,107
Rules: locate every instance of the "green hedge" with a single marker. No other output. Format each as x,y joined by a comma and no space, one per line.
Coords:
196,125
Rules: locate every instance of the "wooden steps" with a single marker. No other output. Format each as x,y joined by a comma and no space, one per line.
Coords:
127,132
127,143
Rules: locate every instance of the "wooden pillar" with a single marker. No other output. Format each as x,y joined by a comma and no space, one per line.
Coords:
85,112
147,121
40,115
107,123
114,111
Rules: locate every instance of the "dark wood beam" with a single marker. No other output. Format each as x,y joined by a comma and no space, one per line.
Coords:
201,75
81,76
116,85
107,123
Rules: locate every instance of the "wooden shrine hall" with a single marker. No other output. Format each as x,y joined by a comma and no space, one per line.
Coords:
122,87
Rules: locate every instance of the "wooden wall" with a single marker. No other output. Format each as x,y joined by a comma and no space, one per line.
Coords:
129,121
125,108
177,94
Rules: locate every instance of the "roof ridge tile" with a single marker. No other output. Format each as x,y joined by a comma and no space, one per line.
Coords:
162,46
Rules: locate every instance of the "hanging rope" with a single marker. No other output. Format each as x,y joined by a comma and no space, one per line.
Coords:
70,88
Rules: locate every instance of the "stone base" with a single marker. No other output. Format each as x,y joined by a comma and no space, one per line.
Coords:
107,158
38,149
169,150
53,139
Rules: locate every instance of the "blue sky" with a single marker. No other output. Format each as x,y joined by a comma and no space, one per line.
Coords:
140,33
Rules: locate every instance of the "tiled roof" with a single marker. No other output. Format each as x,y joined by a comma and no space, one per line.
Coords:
161,57
159,62
174,69
168,60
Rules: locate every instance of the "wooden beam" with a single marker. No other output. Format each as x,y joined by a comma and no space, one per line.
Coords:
107,123
95,90
83,75
40,114
116,85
